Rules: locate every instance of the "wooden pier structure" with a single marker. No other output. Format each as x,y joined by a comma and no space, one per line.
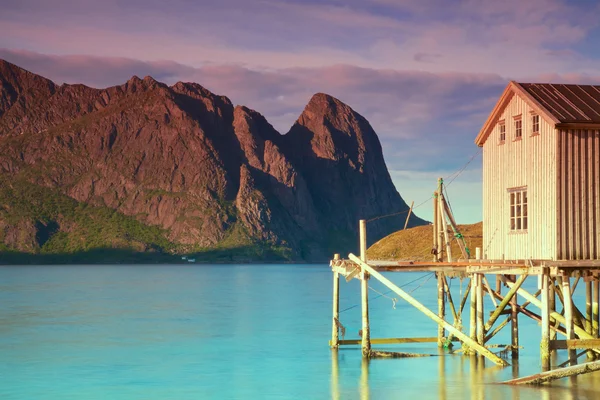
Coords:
563,326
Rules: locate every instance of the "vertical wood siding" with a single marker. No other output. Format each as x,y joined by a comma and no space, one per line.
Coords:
578,194
529,162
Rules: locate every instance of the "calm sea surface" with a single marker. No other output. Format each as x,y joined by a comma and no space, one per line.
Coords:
232,332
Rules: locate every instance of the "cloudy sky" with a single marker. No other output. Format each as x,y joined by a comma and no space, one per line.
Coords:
425,73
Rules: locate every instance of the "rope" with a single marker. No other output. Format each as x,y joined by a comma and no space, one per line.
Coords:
400,212
389,291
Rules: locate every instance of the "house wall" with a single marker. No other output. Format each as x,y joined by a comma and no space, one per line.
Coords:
529,162
578,194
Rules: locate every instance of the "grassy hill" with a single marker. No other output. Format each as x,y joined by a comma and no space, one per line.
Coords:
416,243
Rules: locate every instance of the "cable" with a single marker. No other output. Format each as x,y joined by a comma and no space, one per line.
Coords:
460,171
453,176
389,291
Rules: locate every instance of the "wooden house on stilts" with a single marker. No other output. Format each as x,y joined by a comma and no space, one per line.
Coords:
541,173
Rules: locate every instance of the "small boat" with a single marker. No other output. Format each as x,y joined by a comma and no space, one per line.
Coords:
191,260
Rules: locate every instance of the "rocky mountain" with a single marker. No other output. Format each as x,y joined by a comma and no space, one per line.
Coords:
179,169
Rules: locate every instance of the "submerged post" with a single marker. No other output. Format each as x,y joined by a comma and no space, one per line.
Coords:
364,291
545,340
514,319
335,338
441,308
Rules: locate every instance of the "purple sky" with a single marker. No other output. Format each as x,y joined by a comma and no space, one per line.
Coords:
425,73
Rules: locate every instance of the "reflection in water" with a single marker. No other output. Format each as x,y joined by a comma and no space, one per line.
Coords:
335,376
482,381
364,379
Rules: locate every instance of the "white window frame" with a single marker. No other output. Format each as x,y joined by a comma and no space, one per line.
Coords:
535,124
518,128
518,212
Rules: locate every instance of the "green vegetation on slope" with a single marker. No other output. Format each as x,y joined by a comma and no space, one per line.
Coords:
416,243
54,223
41,225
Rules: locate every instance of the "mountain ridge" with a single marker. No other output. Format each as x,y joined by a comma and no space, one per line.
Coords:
189,162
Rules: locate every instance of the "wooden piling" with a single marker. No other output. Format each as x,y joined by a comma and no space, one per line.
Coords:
568,303
364,290
560,318
595,302
445,228
436,235
412,301
473,308
441,308
552,305
480,325
514,320
545,311
335,338
588,312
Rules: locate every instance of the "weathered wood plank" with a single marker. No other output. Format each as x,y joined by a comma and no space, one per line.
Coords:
412,301
347,342
574,344
548,376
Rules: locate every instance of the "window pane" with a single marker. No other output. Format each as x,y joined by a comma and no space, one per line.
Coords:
518,197
525,222
512,199
525,210
518,223
524,196
512,224
518,211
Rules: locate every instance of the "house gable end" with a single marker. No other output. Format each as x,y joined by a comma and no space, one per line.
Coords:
512,89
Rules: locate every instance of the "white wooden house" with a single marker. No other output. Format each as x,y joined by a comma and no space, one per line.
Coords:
541,173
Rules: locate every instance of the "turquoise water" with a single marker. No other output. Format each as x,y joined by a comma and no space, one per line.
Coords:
232,332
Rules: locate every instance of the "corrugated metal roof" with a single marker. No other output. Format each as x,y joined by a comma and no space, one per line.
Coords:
568,103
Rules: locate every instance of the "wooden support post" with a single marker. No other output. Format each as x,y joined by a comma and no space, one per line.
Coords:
514,319
436,229
412,301
441,308
364,290
552,306
588,313
408,216
478,253
595,302
444,224
568,303
480,330
473,308
560,318
545,311
498,311
335,338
